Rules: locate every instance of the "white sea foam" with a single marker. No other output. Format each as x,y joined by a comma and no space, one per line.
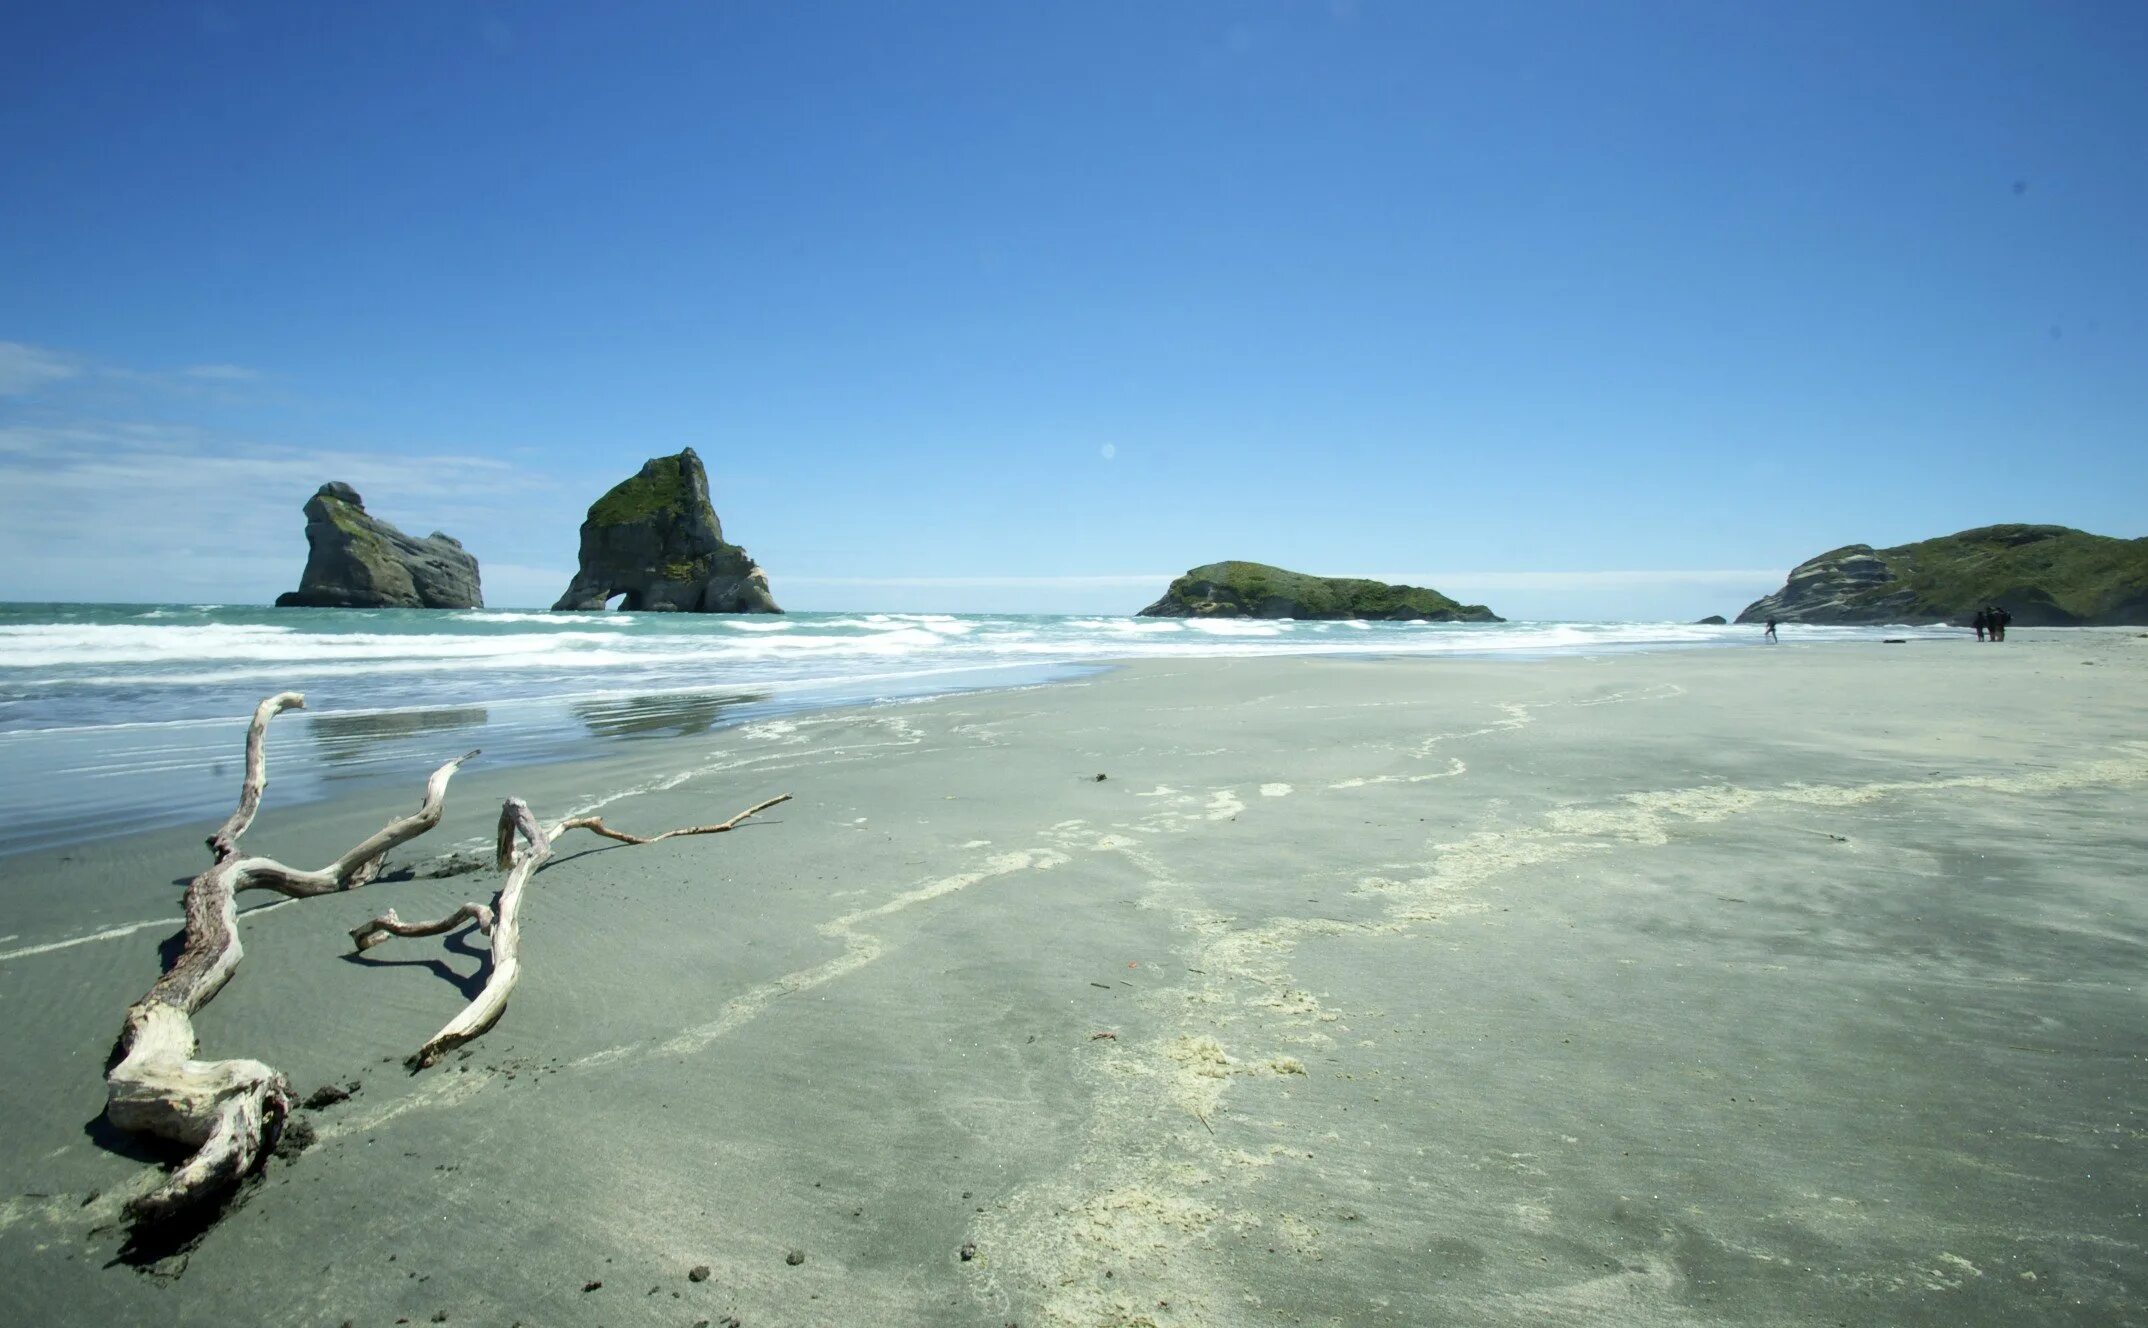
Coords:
508,616
726,650
49,646
116,716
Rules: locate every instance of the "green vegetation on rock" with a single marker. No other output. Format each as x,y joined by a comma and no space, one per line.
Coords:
2043,575
1256,590
365,542
657,488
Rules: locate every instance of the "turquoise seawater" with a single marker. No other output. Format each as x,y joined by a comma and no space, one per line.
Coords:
129,715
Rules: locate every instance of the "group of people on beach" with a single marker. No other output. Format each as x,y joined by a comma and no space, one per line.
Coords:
1990,624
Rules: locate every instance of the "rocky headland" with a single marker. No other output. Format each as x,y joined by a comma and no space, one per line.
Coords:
2045,576
358,561
655,541
1256,590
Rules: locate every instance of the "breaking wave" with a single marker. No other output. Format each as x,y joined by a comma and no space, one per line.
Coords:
110,714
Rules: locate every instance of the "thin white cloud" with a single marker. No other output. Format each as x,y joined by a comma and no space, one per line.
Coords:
25,368
518,585
147,512
220,373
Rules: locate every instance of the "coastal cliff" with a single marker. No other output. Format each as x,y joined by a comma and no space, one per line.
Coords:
654,540
2046,576
358,561
1256,590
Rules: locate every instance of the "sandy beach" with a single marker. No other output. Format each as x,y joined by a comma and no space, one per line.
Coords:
1741,986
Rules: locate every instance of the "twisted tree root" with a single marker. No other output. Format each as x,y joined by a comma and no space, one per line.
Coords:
230,1112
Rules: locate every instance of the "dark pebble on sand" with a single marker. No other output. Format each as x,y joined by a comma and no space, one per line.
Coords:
327,1095
1100,779
794,1258
591,1286
296,1138
698,1273
968,1251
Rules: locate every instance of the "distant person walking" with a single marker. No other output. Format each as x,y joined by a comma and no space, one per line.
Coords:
2000,620
1769,635
1982,622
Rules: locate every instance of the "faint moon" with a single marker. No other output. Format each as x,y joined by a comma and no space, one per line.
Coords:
1109,450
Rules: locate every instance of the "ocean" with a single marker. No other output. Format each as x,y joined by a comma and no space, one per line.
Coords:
119,716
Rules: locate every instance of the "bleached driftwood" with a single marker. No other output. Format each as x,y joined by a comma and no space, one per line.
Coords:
232,1112
229,1111
503,921
595,825
516,821
225,842
366,935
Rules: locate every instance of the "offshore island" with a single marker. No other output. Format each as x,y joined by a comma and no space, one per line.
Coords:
1256,590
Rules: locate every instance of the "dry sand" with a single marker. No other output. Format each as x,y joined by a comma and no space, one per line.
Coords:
1760,986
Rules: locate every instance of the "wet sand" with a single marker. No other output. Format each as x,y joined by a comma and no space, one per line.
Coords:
1755,986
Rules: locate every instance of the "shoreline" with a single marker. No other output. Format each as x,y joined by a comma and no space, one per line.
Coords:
67,782
1753,986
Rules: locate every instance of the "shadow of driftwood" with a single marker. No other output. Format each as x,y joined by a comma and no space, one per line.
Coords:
143,1148
595,847
456,942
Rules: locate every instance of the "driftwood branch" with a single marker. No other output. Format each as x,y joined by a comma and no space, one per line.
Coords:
503,921
361,864
595,825
367,935
516,820
230,1112
225,842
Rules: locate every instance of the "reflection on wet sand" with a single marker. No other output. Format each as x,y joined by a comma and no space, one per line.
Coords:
671,714
359,738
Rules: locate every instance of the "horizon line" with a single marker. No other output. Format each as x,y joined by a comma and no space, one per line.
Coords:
1495,580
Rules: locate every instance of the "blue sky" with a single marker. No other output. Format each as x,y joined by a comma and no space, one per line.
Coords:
1593,310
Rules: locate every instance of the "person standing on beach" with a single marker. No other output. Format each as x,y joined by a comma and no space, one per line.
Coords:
1769,634
1983,620
1999,620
